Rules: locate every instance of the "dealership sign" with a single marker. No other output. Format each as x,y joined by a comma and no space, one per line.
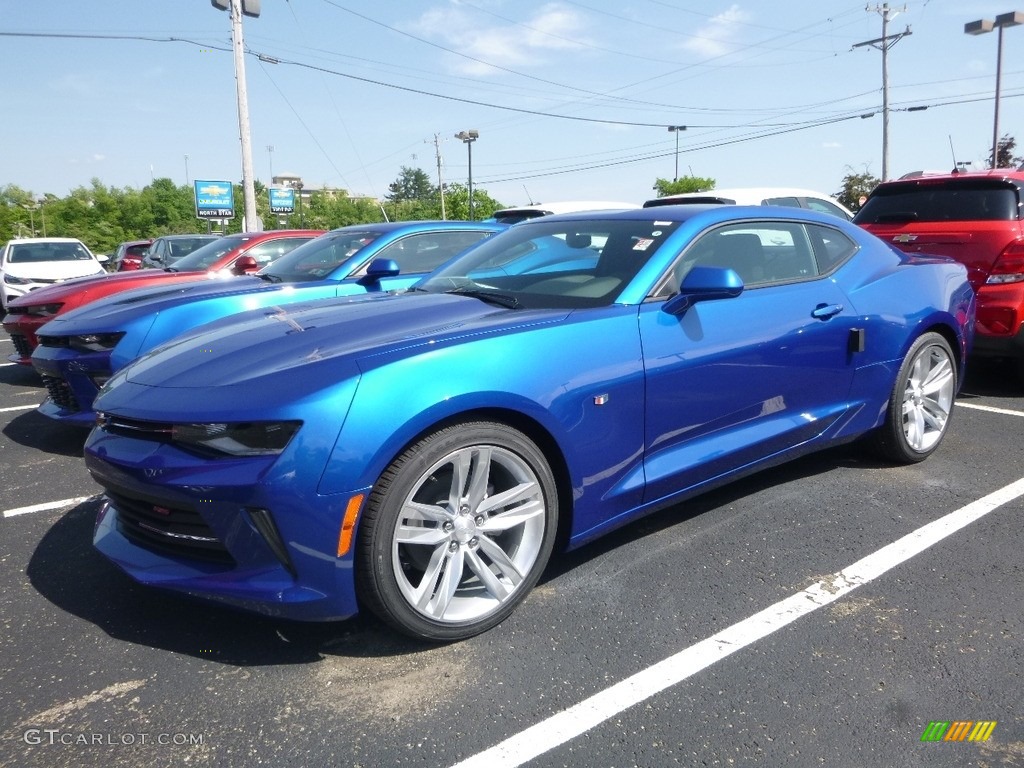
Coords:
282,200
215,200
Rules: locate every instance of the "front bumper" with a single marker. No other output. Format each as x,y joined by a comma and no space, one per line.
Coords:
200,526
73,380
22,330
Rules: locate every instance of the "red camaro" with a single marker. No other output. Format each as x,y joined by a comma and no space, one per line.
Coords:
226,256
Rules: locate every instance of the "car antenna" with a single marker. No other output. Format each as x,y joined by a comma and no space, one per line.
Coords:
528,197
956,165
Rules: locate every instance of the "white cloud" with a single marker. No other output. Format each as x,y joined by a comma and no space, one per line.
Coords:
719,35
551,28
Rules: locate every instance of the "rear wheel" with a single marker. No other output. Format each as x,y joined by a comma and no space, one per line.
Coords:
921,402
457,531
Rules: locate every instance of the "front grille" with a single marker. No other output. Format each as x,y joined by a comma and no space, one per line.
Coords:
172,531
60,393
21,345
144,430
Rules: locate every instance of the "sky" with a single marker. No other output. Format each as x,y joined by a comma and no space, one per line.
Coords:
572,99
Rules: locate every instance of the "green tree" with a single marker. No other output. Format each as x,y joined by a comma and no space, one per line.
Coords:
1005,157
856,186
682,185
456,197
411,184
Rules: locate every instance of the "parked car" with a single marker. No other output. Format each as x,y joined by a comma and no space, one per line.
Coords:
166,250
785,196
225,256
975,218
128,255
34,262
534,210
420,454
79,350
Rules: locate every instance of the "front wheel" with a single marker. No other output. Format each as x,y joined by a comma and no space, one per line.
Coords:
921,402
457,531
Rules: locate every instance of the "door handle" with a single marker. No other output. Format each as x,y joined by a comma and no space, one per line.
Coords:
825,311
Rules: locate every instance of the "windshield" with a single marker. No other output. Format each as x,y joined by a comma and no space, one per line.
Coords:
316,259
201,258
544,263
25,253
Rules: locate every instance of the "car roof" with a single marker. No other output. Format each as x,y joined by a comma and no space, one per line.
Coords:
391,226
534,210
44,240
997,174
711,212
743,195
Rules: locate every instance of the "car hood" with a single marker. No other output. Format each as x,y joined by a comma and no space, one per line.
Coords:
107,283
268,341
123,307
53,270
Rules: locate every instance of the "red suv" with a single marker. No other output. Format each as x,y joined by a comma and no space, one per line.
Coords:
975,218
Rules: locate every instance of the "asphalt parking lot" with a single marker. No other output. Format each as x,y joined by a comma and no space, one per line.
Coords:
821,613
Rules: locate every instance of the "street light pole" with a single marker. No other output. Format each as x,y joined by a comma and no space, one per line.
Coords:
980,27
468,137
270,154
676,129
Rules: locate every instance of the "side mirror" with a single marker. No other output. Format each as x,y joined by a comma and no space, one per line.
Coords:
244,265
379,269
101,258
704,284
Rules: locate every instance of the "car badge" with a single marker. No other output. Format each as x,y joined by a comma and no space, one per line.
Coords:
904,238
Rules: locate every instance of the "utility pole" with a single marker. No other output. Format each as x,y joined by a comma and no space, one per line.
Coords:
883,44
236,8
440,182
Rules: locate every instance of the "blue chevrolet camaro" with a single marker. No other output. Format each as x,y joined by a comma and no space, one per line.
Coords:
421,454
79,350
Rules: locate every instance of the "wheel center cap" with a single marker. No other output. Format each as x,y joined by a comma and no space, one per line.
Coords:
465,528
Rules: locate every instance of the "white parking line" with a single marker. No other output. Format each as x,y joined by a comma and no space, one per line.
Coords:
45,507
989,408
577,720
18,408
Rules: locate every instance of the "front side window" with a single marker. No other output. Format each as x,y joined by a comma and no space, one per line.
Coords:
425,251
763,253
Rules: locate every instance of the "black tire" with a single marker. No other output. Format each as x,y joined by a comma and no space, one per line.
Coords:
437,512
921,402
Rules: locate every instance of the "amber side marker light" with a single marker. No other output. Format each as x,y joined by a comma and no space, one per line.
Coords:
348,524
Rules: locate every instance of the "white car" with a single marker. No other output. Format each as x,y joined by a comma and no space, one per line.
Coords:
35,262
535,210
785,196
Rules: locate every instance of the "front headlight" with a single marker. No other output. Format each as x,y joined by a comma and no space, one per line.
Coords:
13,280
94,342
42,310
243,439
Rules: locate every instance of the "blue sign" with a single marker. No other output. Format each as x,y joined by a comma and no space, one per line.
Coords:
215,200
282,200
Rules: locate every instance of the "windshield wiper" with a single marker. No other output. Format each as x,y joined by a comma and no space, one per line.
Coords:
269,278
501,299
